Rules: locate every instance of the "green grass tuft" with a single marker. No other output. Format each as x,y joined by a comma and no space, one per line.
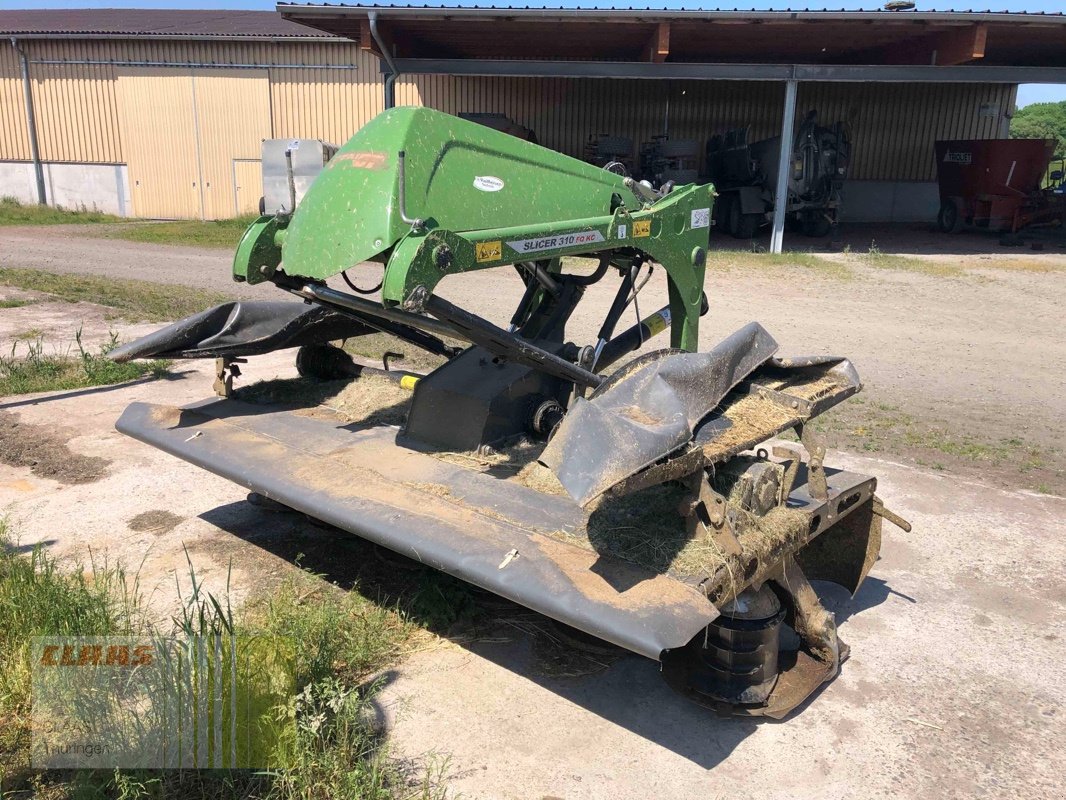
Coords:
12,212
337,749
136,301
222,233
38,372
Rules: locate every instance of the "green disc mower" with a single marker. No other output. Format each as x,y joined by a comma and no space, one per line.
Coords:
634,498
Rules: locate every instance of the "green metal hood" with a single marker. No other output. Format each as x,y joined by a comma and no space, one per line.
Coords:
458,175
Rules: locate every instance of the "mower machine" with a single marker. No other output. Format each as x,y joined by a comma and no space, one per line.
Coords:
633,503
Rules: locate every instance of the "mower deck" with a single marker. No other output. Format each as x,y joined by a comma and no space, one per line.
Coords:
497,534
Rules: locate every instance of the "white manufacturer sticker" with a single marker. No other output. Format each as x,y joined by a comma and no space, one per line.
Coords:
555,242
958,157
701,218
294,144
621,234
488,183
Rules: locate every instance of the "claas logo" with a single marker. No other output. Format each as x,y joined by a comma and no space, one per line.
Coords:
97,655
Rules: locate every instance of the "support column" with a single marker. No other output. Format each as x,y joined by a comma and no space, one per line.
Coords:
31,123
784,166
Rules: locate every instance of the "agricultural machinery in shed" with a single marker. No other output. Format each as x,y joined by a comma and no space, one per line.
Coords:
995,184
636,500
745,176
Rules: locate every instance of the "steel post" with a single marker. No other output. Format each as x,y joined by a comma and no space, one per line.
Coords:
784,163
31,123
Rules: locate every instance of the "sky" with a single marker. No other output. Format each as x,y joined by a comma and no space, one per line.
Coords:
1030,93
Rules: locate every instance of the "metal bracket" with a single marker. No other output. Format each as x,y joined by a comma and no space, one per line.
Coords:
791,472
226,369
707,513
816,482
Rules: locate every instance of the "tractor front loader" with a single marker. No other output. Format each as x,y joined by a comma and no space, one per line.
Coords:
632,500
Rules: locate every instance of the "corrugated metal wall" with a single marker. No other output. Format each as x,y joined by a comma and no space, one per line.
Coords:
893,126
79,116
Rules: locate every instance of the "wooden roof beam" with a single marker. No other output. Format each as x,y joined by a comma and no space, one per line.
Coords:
960,45
658,47
956,44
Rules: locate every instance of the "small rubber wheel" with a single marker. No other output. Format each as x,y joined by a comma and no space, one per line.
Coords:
949,220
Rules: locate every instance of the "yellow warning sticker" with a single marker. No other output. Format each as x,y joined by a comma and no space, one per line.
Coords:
489,251
641,227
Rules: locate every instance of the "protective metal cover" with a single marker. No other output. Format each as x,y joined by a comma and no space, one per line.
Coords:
243,328
493,533
648,409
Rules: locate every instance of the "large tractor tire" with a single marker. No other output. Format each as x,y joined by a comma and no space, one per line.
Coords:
816,224
741,225
950,220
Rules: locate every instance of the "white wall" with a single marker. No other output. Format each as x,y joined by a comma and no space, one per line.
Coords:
97,187
890,201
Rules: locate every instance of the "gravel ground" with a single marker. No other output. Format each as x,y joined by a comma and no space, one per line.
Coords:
955,685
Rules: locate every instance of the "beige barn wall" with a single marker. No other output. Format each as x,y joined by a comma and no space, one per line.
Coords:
80,119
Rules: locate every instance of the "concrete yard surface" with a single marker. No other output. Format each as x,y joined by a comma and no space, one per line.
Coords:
954,687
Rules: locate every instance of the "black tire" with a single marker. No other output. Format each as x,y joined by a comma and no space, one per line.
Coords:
816,225
741,225
950,220
722,204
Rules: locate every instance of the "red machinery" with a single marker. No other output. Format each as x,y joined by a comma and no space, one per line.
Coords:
995,184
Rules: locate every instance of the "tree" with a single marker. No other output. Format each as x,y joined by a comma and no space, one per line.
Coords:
1041,121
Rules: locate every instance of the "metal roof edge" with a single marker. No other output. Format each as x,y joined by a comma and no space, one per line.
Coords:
652,14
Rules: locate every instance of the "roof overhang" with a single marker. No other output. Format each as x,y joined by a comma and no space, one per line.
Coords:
715,45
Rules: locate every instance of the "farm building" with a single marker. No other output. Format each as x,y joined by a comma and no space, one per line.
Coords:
161,114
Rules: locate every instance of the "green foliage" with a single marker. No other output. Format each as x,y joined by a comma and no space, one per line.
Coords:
221,233
37,371
12,212
1041,121
337,748
136,301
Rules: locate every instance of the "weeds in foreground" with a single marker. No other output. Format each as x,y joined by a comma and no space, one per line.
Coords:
135,301
37,371
337,748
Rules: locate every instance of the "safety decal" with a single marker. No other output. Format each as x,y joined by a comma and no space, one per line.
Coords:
641,227
488,251
621,232
701,218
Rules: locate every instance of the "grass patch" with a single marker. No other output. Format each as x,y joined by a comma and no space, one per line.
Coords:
12,303
222,233
41,372
875,258
136,301
865,425
12,212
336,749
755,260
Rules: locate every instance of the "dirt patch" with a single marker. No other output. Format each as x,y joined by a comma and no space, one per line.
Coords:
45,452
157,522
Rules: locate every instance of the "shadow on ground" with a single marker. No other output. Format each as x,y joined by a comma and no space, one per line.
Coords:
621,687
